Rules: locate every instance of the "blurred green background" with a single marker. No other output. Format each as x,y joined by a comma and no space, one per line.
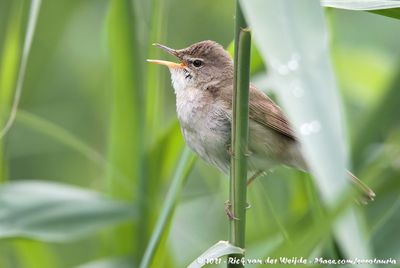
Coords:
94,114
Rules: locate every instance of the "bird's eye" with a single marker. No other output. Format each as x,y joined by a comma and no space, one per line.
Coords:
197,63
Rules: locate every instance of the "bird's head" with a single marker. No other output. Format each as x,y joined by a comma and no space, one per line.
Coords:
203,65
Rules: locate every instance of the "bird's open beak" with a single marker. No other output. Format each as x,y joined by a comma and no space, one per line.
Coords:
169,64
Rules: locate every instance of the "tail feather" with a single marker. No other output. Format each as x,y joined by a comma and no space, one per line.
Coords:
367,193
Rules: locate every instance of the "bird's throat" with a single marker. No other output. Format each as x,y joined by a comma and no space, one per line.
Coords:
179,79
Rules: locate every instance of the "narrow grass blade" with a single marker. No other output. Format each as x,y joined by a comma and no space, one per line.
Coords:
59,134
68,139
33,15
181,174
10,58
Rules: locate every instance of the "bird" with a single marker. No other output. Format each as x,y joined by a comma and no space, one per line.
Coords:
203,81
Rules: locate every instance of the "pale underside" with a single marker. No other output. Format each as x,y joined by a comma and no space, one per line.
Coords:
206,126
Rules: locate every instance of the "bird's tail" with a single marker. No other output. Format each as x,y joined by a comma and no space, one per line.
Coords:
367,193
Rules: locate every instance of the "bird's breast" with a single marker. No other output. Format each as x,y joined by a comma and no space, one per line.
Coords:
205,127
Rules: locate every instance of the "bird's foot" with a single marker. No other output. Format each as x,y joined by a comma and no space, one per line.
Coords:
231,152
248,206
228,210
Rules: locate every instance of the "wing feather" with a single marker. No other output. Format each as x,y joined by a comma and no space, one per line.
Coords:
266,113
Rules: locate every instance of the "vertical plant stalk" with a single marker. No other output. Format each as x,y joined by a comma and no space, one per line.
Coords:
240,130
125,149
33,15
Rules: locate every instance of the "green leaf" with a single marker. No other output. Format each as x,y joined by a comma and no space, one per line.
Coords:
299,58
361,4
296,51
55,212
126,139
393,12
222,248
125,148
34,254
389,8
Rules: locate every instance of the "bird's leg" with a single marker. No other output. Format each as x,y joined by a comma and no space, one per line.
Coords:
228,210
255,176
228,205
250,180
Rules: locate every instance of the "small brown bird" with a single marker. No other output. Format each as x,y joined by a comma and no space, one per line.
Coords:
203,84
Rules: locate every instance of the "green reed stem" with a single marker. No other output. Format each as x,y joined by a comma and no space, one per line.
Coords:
240,130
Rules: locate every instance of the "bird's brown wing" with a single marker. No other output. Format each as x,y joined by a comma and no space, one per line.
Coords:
265,112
